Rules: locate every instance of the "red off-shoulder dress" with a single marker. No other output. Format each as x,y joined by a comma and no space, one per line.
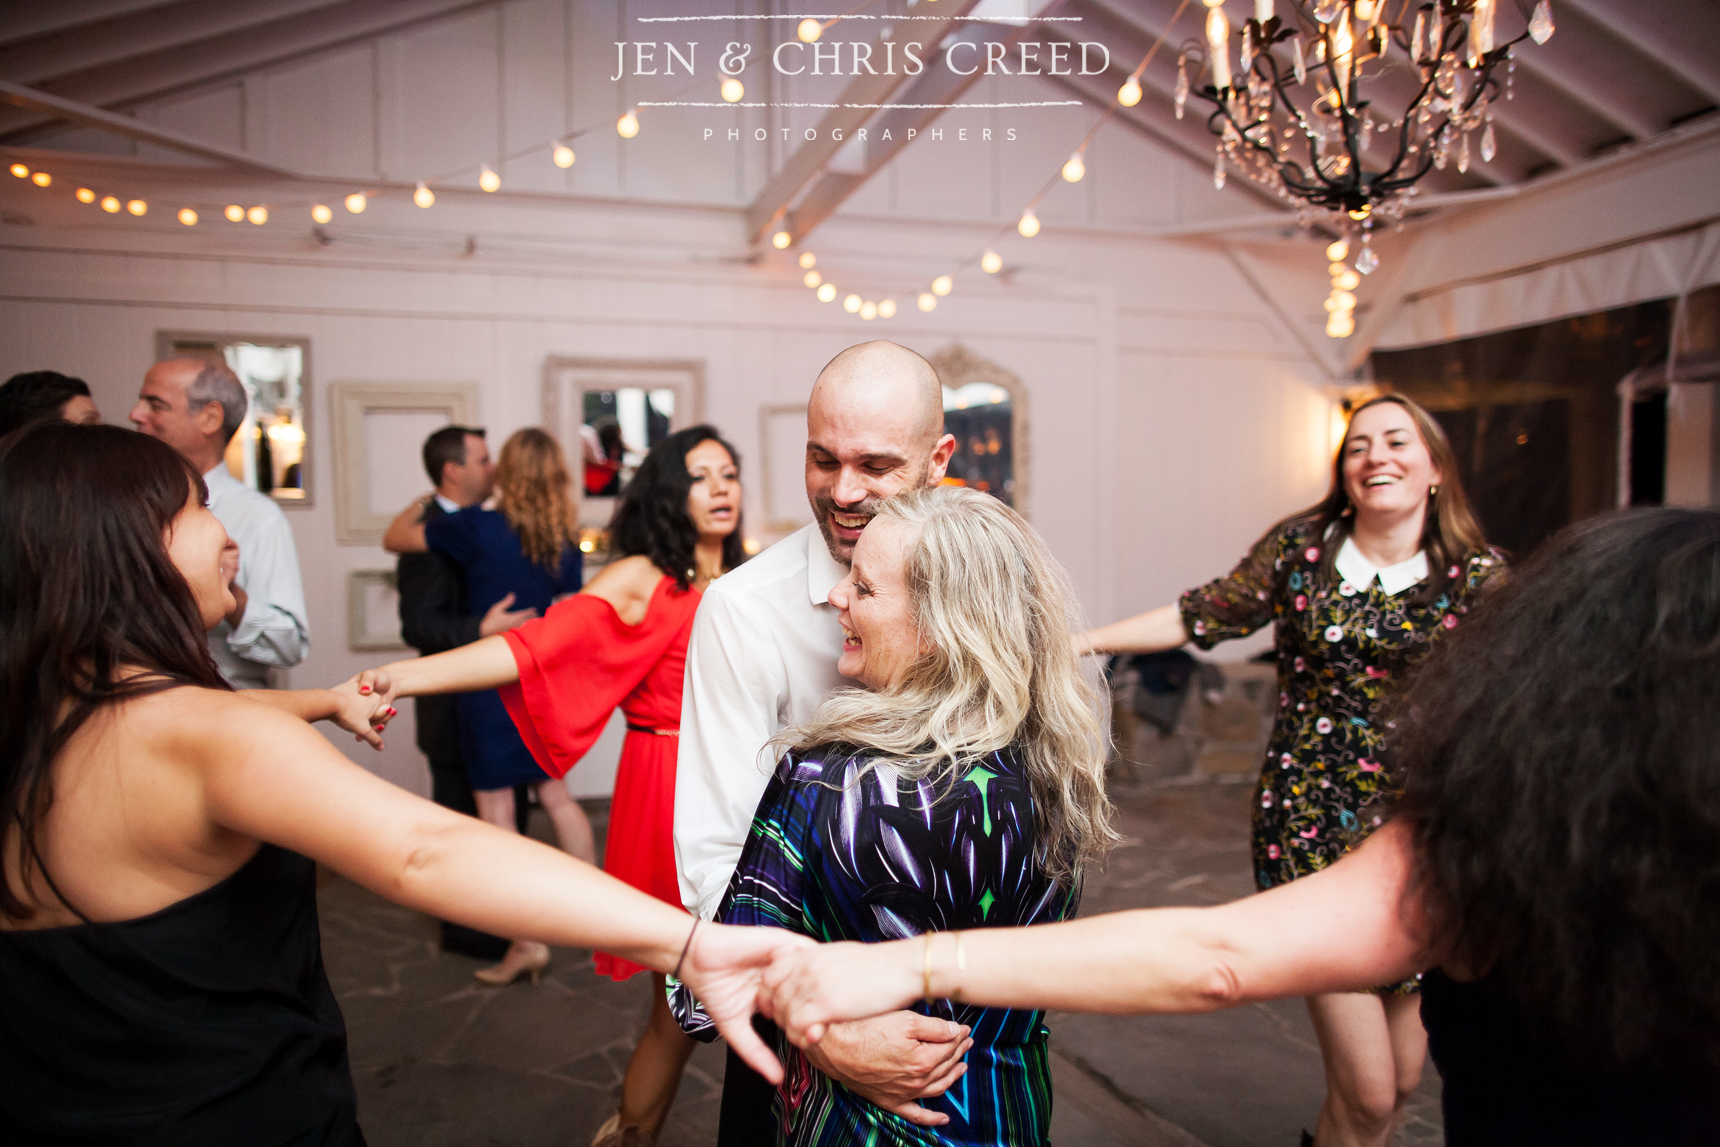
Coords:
577,663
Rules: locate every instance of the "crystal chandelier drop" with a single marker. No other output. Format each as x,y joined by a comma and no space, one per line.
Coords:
1294,117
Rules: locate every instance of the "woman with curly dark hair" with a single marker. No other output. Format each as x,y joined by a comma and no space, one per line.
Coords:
622,640
1554,854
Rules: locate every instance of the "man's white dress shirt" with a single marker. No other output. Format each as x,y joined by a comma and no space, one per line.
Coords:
273,633
762,656
1360,572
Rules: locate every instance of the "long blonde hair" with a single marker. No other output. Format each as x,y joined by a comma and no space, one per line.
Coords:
532,485
999,614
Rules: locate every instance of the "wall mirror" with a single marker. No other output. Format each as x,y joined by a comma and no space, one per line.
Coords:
984,408
269,451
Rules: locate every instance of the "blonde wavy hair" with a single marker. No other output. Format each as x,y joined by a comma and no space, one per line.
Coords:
532,484
999,614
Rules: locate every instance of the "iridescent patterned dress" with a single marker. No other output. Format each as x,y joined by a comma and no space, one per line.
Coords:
1340,646
843,848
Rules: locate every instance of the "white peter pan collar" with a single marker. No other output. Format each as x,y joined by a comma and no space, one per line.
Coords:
1359,572
823,572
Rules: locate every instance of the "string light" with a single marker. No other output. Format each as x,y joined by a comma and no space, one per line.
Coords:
627,126
1029,225
1074,170
136,206
808,260
868,310
110,204
942,285
562,156
357,202
851,304
188,216
991,262
809,30
258,215
812,278
321,213
781,240
41,178
1130,93
20,171
423,196
85,195
827,292
487,179
927,301
234,213
1338,250
733,91
887,309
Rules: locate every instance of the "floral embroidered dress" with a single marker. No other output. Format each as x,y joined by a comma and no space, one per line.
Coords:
1339,646
842,851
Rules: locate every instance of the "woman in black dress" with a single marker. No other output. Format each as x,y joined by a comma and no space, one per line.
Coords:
1554,854
161,978
1359,586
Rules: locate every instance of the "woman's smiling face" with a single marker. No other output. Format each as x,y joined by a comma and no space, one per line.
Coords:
1387,467
880,639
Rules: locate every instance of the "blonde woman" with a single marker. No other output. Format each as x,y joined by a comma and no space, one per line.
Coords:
960,786
523,550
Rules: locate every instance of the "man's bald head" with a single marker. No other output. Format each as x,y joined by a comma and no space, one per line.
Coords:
875,426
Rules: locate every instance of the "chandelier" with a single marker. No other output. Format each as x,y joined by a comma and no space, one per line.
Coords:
1295,120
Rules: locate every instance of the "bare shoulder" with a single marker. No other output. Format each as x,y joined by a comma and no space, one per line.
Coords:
627,585
190,719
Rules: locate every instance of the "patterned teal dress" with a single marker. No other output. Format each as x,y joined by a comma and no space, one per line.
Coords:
843,848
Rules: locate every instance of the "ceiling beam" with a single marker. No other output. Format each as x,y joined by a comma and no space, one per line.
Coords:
22,22
19,96
812,158
232,53
1678,34
122,38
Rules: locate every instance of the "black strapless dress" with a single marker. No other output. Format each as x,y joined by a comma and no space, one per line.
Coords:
1506,1088
210,1022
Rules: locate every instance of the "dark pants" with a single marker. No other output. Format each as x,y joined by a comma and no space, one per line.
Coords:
449,788
747,1119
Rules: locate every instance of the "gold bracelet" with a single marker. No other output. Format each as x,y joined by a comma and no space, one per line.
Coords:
926,974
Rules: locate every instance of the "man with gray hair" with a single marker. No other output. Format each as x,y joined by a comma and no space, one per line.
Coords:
196,407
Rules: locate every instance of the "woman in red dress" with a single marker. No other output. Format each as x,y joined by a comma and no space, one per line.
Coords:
621,641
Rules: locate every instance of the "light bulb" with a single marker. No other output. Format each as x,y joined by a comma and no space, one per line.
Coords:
1338,249
781,240
868,310
41,179
1029,225
1341,325
136,206
487,179
1130,93
20,171
827,292
321,213
234,213
851,304
562,156
1346,280
927,301
85,195
1362,212
188,216
1341,301
258,215
809,30
357,202
812,278
1074,169
110,204
627,126
423,196
942,285
733,91
991,262
887,309
808,260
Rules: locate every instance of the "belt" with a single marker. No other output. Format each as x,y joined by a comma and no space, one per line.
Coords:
632,728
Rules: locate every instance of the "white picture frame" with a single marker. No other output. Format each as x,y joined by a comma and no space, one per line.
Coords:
357,410
373,611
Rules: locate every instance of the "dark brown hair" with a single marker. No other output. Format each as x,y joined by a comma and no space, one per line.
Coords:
92,608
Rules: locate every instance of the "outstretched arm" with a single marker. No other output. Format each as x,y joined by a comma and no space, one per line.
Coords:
360,711
1346,928
405,534
1152,632
484,664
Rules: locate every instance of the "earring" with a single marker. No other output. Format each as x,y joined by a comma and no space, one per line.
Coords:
1433,491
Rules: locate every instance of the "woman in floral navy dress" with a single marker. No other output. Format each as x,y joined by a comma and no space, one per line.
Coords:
1359,585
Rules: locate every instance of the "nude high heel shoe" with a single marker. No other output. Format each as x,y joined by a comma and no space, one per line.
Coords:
525,957
612,1134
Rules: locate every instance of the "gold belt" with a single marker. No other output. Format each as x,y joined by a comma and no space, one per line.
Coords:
632,728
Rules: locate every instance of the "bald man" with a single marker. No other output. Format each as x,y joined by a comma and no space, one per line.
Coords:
762,656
